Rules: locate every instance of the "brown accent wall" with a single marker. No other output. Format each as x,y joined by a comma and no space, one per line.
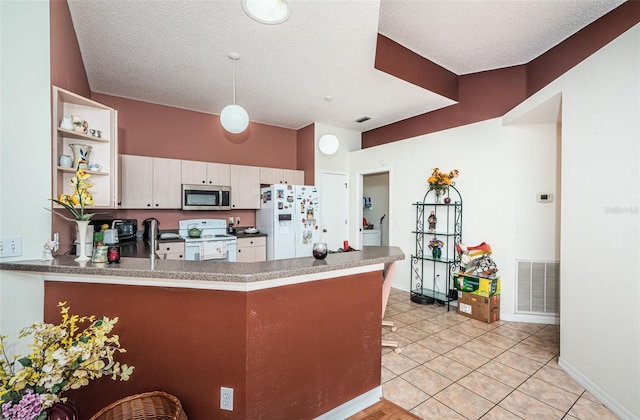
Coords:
306,153
148,129
67,68
405,64
491,94
290,352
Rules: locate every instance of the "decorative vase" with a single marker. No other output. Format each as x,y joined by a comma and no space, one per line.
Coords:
80,155
437,197
63,411
436,252
66,124
82,235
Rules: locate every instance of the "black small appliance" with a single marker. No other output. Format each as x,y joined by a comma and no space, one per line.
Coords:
146,235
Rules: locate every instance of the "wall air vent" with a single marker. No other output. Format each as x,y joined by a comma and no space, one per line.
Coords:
363,119
538,287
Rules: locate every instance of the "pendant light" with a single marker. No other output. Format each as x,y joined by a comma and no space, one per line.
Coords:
233,117
328,143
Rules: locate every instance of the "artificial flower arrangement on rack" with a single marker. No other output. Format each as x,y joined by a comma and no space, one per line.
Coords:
439,182
64,357
435,245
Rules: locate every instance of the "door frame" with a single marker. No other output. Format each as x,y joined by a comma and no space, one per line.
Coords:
359,188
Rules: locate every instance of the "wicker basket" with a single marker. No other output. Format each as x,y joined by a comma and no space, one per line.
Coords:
156,405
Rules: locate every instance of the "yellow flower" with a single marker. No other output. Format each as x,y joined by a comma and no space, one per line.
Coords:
440,181
76,202
64,356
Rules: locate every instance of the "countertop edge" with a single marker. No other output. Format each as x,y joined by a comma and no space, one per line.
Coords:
210,271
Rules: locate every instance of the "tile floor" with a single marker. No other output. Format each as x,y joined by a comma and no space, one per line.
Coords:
454,367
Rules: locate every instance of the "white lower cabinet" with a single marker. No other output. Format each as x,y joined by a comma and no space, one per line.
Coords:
170,250
252,249
149,182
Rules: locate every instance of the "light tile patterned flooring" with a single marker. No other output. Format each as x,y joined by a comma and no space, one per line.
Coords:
454,367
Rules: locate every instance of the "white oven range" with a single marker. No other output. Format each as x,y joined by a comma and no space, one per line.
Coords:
213,244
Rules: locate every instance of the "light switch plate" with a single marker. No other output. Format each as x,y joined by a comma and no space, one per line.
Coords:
11,246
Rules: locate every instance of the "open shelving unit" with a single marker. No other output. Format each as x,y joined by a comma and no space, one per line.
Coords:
431,276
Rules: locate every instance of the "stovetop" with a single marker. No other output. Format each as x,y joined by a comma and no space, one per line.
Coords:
212,230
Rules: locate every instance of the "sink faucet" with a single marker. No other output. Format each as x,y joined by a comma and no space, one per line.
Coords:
153,237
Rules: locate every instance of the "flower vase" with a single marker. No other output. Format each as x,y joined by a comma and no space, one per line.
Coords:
80,155
62,411
436,252
82,235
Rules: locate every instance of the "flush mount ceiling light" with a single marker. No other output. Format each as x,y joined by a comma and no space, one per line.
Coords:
328,143
269,12
234,118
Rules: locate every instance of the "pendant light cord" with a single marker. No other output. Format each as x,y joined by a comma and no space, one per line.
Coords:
234,81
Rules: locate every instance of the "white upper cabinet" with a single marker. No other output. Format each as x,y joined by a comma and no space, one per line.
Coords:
269,176
245,187
205,173
149,182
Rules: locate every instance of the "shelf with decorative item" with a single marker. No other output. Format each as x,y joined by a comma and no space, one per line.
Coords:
81,136
89,171
438,232
84,131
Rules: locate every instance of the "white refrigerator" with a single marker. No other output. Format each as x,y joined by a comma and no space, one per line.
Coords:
290,218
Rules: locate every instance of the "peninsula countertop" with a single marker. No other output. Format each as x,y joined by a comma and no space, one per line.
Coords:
213,271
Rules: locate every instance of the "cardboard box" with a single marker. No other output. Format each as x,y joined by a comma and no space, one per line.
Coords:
482,308
477,285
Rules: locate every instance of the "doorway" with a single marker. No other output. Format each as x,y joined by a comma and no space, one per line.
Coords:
375,208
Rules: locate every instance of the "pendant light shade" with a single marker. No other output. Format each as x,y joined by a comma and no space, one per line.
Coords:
328,143
269,12
233,117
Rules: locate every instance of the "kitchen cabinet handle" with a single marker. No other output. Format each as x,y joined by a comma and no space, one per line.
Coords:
148,205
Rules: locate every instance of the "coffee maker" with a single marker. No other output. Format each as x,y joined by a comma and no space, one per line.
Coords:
146,235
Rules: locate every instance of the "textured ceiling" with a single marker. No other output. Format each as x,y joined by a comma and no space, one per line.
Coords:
175,52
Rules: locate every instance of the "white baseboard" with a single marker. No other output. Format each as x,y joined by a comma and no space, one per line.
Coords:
353,406
532,318
597,392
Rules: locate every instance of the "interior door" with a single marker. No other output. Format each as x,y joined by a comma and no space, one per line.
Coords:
334,209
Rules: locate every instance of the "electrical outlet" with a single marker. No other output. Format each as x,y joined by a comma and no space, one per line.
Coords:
237,221
11,246
226,398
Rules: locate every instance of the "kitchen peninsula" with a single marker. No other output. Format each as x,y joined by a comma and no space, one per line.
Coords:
294,338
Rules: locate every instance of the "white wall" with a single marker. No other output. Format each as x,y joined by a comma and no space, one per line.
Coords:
25,154
600,315
593,159
501,170
338,166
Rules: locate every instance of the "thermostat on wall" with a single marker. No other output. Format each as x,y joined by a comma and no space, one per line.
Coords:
544,198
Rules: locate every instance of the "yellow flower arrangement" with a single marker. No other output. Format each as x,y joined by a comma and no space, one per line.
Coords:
64,357
440,181
81,197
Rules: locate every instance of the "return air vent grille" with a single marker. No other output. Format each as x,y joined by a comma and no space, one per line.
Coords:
538,287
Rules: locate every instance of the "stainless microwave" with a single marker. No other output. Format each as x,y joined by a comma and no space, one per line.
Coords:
206,197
